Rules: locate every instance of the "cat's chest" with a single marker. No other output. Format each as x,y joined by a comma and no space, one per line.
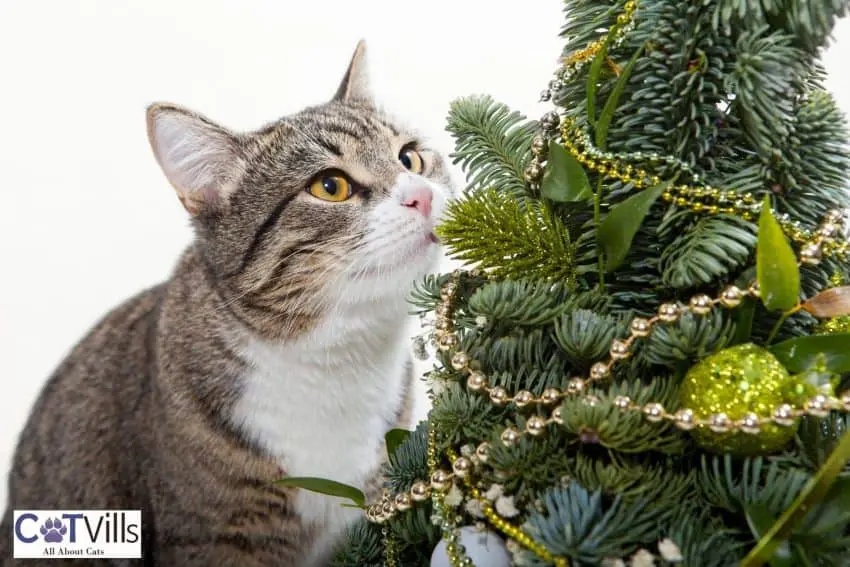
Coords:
321,407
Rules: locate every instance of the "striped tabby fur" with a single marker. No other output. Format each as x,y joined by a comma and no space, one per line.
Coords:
276,348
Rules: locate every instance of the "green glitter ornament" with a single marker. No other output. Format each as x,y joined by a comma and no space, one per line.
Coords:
739,380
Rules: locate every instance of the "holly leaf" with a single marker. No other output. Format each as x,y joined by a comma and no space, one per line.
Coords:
776,264
613,99
394,438
801,353
618,229
832,302
565,179
327,487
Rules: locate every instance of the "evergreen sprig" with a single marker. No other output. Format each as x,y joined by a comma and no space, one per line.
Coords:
508,237
492,143
725,94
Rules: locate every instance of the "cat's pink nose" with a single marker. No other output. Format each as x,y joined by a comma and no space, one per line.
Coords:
419,198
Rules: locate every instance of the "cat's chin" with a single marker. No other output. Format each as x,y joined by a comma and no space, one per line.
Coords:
413,263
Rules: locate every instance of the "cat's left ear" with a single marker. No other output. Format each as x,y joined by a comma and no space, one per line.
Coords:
355,83
200,159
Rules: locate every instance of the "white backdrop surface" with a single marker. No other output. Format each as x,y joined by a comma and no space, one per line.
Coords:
86,217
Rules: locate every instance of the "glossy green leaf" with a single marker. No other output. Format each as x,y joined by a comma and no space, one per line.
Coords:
813,494
776,264
801,353
613,99
833,514
760,520
593,80
325,486
394,438
564,179
618,229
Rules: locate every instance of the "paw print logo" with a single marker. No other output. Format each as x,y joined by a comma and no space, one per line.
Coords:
53,530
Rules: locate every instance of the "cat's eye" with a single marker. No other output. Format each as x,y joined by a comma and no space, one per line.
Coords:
411,159
331,187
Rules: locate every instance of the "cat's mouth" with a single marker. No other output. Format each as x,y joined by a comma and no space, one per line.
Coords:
432,237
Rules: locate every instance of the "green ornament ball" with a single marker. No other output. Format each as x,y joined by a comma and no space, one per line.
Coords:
736,381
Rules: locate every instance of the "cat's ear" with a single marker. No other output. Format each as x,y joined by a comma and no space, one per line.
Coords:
200,159
355,83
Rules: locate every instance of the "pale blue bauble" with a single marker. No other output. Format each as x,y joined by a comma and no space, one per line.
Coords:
484,548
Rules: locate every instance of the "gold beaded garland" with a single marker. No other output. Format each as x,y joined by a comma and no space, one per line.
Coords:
535,425
669,312
440,480
731,297
476,381
510,436
640,327
420,491
523,398
461,467
699,198
460,361
720,423
499,396
619,350
701,304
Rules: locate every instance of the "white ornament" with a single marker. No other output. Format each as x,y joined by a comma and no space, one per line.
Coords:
643,558
670,551
454,497
484,548
474,508
505,507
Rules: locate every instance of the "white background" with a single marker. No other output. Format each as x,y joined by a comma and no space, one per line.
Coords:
86,218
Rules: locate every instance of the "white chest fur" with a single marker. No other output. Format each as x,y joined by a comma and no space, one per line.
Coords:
322,404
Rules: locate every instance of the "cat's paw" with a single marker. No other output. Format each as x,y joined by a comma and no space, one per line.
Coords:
53,530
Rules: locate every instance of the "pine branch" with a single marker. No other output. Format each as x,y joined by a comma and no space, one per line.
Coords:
708,251
597,530
492,229
492,143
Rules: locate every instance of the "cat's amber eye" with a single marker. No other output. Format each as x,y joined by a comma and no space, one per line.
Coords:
411,159
331,187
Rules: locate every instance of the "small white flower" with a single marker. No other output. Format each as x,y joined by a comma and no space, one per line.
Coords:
670,551
454,497
474,508
481,321
505,507
613,562
494,492
643,558
467,450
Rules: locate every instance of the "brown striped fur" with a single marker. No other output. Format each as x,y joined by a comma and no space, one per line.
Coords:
135,416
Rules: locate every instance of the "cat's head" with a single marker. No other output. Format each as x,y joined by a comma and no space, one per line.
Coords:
332,207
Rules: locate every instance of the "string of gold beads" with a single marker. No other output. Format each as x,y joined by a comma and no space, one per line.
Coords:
620,349
698,198
824,241
511,531
390,559
574,62
784,415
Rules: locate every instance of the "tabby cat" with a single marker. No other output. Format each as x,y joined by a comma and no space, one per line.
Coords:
277,347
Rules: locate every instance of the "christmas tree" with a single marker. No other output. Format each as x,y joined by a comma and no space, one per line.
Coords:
646,362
